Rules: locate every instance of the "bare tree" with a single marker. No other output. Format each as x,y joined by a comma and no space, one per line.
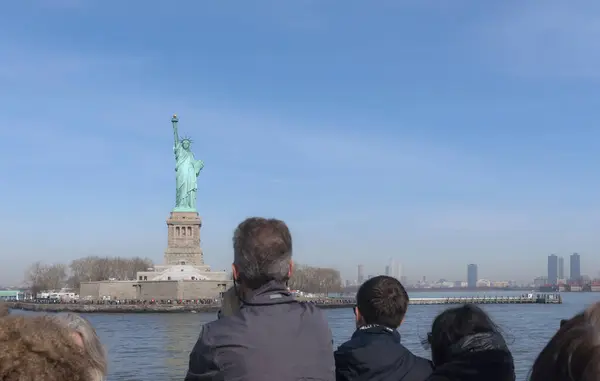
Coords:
46,277
91,269
56,276
34,276
320,280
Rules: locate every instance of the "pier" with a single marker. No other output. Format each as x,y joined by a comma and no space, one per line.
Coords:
524,299
328,303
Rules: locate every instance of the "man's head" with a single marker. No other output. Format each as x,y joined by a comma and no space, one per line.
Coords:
40,348
381,300
262,252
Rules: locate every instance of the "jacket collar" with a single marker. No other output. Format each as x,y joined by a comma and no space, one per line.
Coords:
271,293
377,329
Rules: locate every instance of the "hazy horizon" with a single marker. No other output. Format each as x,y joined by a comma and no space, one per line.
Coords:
436,133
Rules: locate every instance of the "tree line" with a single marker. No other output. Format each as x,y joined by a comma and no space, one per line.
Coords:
317,280
41,276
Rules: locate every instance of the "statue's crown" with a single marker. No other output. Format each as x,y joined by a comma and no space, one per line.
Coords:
187,138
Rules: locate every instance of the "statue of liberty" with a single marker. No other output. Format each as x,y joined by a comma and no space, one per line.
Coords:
187,169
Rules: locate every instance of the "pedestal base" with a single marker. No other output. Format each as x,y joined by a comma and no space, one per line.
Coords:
184,239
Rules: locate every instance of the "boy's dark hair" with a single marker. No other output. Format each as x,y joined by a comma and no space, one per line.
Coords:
382,300
573,353
262,251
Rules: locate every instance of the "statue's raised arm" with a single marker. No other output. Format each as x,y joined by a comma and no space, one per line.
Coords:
174,120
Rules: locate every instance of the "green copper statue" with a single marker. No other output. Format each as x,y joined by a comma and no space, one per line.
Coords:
187,169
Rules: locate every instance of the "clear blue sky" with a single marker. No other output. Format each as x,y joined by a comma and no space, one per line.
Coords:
440,133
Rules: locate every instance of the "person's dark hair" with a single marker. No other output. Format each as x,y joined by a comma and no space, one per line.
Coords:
454,324
262,250
573,353
382,300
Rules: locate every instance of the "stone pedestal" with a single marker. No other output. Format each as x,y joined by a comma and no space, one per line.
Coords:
184,239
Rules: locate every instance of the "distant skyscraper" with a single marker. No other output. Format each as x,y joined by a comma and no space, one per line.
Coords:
561,268
387,270
575,267
395,269
472,276
361,274
552,269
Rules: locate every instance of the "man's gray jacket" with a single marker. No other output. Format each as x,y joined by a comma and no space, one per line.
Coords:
272,338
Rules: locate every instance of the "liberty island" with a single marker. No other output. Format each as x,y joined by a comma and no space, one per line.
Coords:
184,275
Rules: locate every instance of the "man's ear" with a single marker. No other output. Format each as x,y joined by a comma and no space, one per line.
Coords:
291,269
357,314
235,272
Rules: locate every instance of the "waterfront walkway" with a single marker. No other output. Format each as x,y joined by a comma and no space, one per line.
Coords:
187,306
524,299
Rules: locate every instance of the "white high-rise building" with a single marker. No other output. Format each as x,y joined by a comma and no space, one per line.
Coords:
396,269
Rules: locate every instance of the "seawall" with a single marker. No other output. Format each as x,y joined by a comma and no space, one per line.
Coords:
133,308
322,303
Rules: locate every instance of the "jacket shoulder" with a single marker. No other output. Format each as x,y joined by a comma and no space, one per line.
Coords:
351,351
423,364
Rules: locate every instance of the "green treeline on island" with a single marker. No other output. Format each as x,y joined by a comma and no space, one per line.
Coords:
41,276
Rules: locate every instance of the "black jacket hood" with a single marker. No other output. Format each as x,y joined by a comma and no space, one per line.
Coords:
478,357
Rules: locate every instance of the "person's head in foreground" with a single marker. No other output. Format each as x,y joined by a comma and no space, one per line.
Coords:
573,353
85,336
382,301
4,311
40,349
271,336
467,345
262,254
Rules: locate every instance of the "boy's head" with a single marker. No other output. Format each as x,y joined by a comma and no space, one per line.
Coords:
381,300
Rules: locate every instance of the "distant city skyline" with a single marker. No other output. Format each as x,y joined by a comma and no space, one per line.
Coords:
555,274
334,118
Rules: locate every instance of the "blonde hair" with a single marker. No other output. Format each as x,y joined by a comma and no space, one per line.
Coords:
38,348
4,311
91,342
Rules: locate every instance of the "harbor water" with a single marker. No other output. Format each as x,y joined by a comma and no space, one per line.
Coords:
155,347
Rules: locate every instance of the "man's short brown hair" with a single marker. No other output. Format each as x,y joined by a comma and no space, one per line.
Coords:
262,251
38,348
382,300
